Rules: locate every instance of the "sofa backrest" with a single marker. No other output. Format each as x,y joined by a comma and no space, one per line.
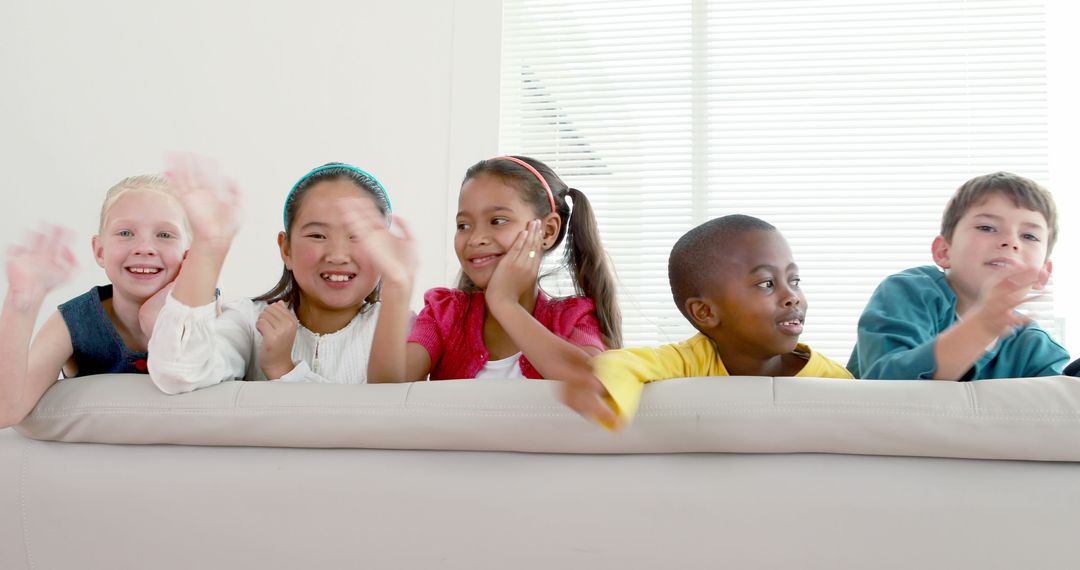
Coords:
1034,419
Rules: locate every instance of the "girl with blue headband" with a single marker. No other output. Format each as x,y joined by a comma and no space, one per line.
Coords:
317,324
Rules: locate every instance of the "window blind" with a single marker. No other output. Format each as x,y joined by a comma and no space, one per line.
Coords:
846,124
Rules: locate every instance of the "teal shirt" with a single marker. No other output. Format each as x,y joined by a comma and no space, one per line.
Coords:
910,309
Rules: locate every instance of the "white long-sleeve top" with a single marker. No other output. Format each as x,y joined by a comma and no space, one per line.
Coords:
194,347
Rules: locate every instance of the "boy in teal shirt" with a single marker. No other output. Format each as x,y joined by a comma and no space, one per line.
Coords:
997,233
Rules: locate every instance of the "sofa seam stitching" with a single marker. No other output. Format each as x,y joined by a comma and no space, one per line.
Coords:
22,503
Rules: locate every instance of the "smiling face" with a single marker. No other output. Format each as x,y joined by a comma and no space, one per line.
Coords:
329,265
755,302
490,216
141,243
994,237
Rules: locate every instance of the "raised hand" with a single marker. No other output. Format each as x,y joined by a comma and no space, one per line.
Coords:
212,202
517,271
277,324
391,250
42,264
995,309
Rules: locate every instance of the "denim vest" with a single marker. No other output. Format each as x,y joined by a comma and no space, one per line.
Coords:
98,347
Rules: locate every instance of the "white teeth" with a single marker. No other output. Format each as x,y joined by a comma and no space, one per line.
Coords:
144,269
336,277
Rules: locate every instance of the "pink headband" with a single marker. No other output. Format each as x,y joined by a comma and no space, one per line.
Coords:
551,197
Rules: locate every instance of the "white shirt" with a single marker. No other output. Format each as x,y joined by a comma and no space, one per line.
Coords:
192,348
503,369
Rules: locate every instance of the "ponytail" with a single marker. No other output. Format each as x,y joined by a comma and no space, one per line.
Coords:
589,265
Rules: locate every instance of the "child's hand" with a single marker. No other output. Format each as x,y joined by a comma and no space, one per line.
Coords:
518,269
150,308
583,392
42,264
392,254
995,309
588,397
277,325
212,202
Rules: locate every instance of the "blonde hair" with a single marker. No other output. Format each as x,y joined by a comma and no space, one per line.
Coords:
155,183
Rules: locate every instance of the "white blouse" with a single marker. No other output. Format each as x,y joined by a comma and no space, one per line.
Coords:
192,348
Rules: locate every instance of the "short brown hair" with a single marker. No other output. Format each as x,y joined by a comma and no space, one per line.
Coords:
1023,192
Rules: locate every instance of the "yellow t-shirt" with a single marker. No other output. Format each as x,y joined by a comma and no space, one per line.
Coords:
625,372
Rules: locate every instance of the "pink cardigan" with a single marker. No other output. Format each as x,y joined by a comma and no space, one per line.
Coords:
451,328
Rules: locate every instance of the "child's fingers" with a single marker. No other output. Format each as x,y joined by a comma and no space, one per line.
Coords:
517,249
272,324
55,236
205,173
591,405
1012,290
190,172
398,226
1025,278
360,216
282,315
275,313
262,325
178,171
65,236
67,259
233,195
266,320
59,238
39,242
535,246
604,414
1043,279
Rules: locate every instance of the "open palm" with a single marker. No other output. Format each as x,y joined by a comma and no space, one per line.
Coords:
393,254
212,202
43,263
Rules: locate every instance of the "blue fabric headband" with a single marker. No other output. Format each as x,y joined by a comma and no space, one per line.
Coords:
380,190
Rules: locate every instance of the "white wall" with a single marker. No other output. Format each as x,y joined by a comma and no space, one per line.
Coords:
95,91
1063,43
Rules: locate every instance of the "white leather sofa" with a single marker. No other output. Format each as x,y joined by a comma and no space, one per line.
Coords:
714,473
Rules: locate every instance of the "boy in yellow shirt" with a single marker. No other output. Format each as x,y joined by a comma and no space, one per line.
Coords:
735,280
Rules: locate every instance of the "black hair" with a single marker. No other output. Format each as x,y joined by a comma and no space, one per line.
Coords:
695,256
287,289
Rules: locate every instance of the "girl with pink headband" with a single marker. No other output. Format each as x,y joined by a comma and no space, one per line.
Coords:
498,323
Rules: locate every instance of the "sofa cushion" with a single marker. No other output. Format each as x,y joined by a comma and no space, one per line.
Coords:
1035,418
